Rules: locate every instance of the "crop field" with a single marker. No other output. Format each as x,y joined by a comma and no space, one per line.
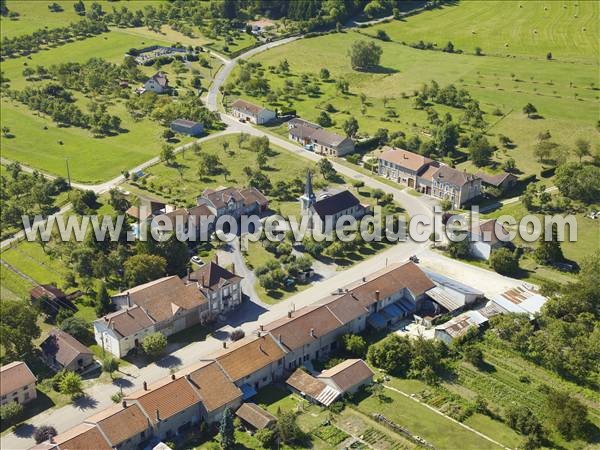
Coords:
34,14
568,29
41,143
564,92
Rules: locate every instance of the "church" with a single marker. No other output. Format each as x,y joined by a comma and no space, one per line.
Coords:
325,209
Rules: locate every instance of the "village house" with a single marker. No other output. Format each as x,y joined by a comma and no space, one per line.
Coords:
60,350
324,212
124,330
17,383
450,294
233,202
311,388
319,140
458,186
246,111
487,237
428,176
157,83
188,127
222,288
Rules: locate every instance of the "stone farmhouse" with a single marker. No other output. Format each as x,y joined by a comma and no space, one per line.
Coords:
233,201
157,83
324,211
221,288
60,350
17,383
428,176
246,111
321,141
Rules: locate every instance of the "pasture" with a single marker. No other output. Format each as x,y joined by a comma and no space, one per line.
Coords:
526,29
34,14
565,93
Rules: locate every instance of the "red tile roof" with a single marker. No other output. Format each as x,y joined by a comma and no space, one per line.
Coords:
14,376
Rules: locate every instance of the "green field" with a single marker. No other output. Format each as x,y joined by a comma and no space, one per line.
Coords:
34,14
90,159
564,92
568,29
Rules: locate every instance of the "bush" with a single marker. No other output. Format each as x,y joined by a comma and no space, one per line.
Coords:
10,413
44,433
474,355
71,384
266,437
154,344
237,334
504,261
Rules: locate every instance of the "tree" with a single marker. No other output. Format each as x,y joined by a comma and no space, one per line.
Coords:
103,302
460,249
579,181
110,365
548,251
480,150
391,354
509,165
350,127
504,261
71,384
446,138
76,327
474,355
18,328
364,55
324,74
142,268
154,344
377,194
549,56
324,120
266,437
43,433
355,345
167,154
79,7
326,168
168,134
227,430
478,51
287,428
529,109
523,420
5,131
10,413
566,413
582,148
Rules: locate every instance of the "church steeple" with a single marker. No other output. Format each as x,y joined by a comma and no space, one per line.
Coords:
308,198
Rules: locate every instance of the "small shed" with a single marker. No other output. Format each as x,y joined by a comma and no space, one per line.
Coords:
255,417
188,127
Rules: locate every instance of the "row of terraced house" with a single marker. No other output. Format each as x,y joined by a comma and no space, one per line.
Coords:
234,374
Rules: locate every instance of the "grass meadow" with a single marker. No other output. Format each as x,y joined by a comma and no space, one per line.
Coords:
34,14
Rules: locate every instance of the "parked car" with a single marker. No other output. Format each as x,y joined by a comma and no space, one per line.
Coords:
197,260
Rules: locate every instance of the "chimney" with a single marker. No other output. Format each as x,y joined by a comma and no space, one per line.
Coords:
188,377
216,259
364,279
233,268
157,415
224,344
258,333
312,332
377,295
105,319
145,386
262,327
279,338
289,314
173,376
128,299
124,403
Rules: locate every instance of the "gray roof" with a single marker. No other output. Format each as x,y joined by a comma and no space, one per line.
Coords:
456,177
335,204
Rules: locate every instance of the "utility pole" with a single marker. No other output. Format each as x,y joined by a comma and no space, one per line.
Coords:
68,172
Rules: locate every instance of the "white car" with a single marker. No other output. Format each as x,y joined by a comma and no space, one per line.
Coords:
197,260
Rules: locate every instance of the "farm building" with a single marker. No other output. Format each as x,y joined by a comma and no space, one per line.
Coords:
188,127
258,115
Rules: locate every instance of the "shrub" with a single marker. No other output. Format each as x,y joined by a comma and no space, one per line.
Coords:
266,437
10,413
504,261
154,344
43,433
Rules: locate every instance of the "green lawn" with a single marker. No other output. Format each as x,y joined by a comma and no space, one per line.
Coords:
34,14
523,28
420,420
561,90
